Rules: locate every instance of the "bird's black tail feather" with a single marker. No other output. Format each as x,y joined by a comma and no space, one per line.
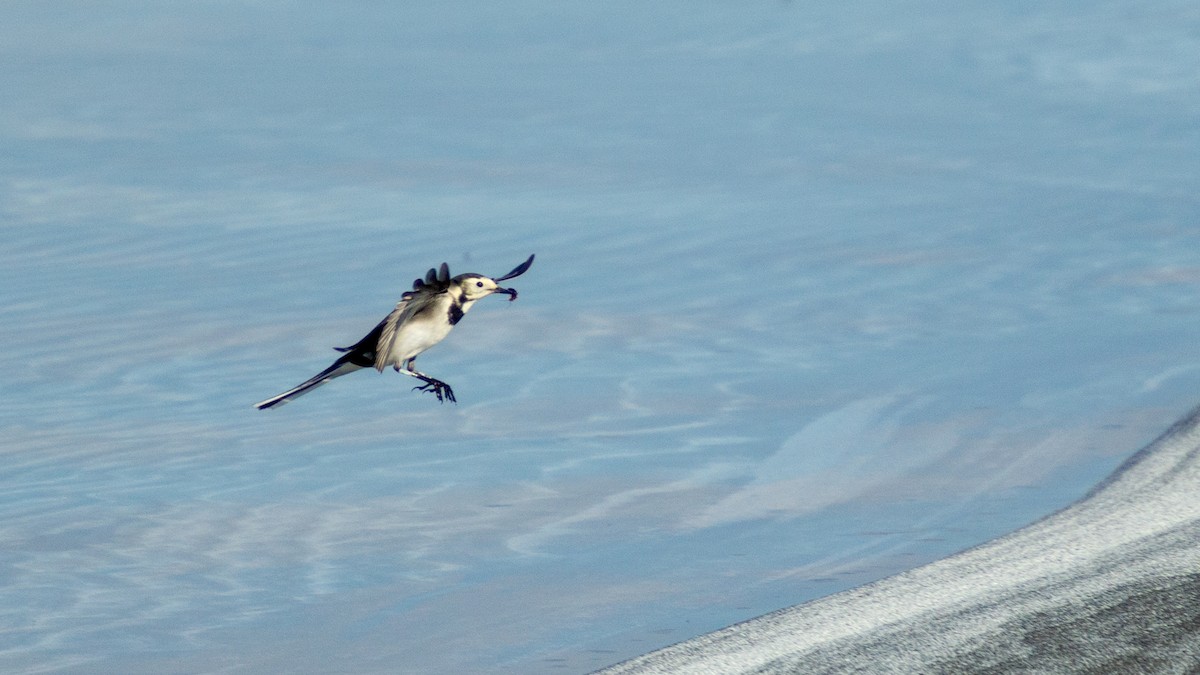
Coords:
340,367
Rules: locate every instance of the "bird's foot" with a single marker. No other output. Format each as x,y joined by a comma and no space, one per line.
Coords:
440,389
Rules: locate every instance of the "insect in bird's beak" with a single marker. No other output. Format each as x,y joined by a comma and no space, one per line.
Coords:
516,272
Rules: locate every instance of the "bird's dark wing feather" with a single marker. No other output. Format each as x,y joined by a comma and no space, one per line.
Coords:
518,270
362,353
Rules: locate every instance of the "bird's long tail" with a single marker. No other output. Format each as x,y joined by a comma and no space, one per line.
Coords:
340,367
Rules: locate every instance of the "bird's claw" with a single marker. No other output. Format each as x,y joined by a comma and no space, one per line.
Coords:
440,389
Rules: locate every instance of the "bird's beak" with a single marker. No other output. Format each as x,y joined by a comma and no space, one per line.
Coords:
510,292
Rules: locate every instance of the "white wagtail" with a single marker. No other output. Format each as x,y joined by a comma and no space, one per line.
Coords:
422,318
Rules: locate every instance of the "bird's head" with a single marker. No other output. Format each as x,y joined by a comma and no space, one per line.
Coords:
476,286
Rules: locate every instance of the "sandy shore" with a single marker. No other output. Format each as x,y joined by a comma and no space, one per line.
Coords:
1107,585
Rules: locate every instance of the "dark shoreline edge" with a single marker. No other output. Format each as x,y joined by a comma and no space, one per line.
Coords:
1107,584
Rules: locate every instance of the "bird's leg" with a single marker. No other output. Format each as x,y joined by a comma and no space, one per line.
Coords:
437,387
440,389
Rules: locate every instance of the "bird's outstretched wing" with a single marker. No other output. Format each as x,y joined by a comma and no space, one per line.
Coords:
424,292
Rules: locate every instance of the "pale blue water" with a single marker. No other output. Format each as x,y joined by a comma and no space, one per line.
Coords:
821,294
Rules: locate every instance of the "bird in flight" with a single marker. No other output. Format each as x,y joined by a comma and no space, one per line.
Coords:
422,318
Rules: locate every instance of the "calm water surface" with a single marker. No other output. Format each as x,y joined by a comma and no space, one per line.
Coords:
821,294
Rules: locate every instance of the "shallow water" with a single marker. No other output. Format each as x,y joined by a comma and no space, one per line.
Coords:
820,295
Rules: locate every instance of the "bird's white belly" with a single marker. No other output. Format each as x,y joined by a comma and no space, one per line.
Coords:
416,337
